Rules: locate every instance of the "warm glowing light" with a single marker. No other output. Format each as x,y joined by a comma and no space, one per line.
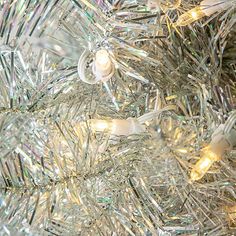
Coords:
117,127
102,57
102,126
190,16
206,8
203,164
194,14
103,66
99,125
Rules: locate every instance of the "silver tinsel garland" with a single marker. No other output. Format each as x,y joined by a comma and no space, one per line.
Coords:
58,176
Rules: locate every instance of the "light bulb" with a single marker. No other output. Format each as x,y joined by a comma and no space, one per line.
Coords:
102,58
206,8
103,67
100,125
118,127
204,164
190,16
222,140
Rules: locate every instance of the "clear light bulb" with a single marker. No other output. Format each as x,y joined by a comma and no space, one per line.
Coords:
117,127
206,8
103,67
204,164
222,140
100,125
190,16
102,58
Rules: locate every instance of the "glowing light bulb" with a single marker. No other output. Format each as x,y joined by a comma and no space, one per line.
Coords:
118,127
194,15
190,16
102,58
204,164
206,8
103,67
222,140
100,125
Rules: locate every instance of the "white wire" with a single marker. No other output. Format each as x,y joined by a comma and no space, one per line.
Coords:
151,115
81,68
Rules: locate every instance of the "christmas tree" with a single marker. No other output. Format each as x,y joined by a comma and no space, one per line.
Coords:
117,117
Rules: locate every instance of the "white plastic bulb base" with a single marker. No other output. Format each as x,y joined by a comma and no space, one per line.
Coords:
126,127
222,142
210,7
